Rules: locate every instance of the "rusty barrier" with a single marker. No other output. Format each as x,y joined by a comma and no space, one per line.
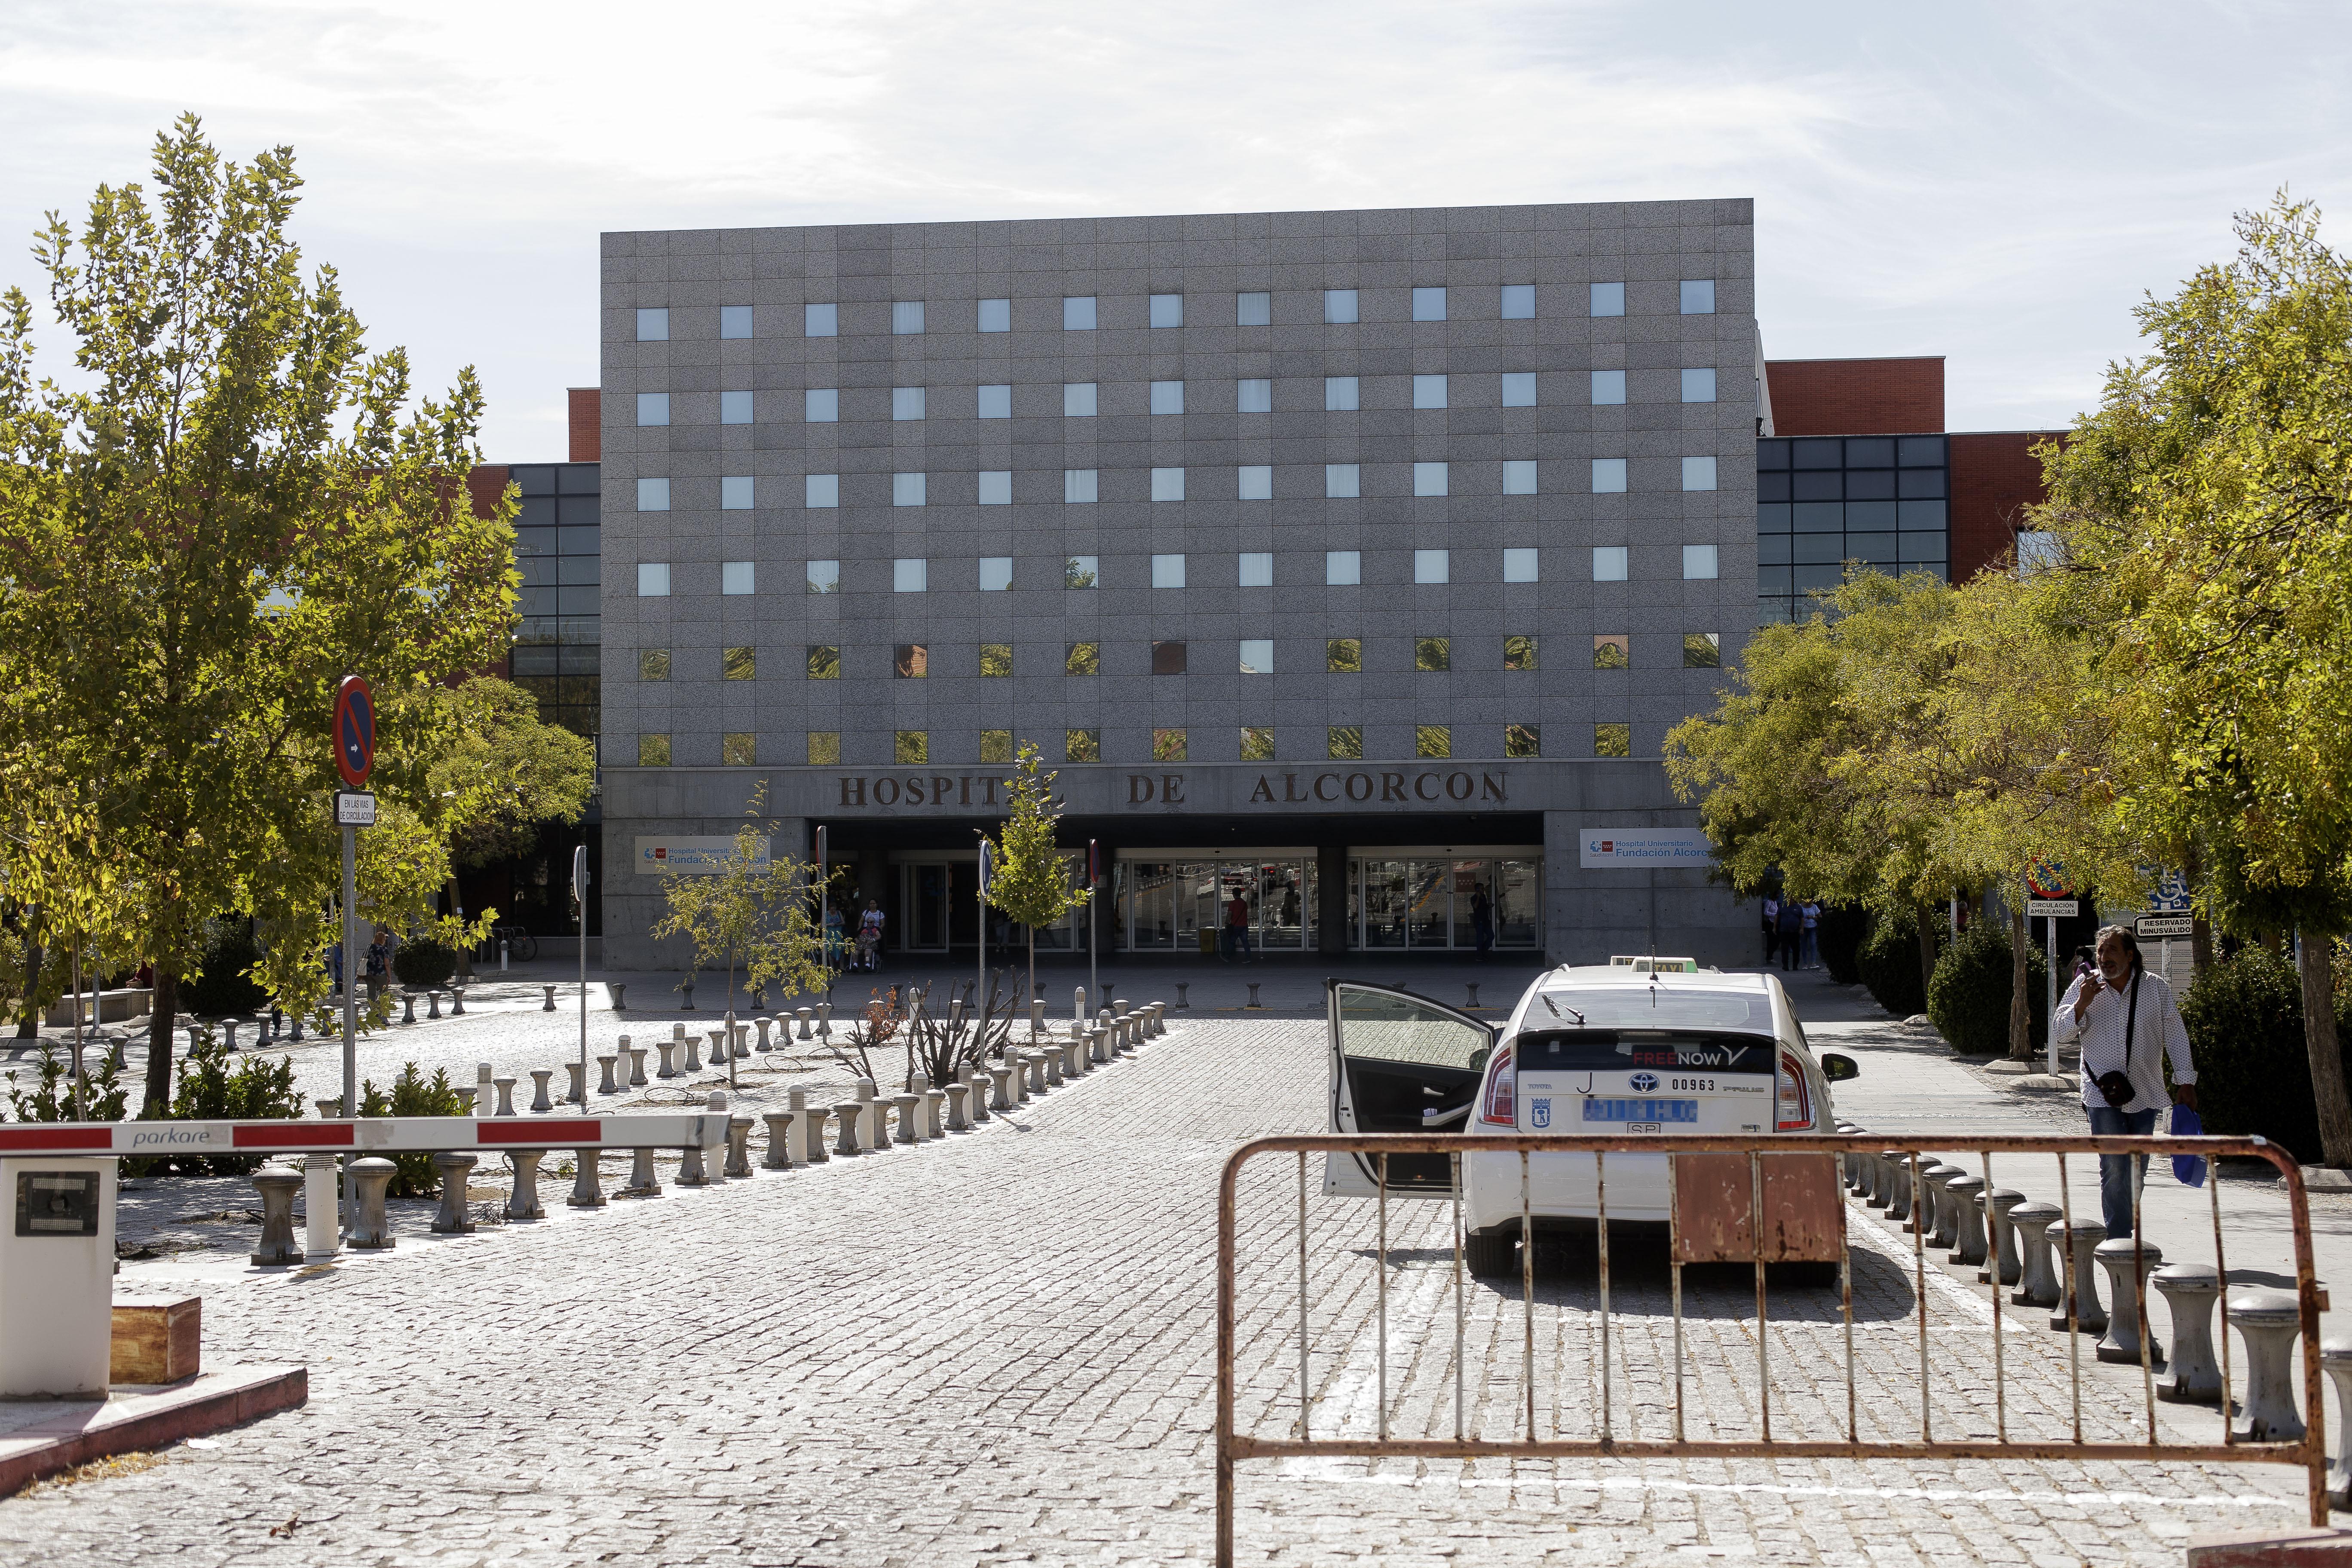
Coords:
1801,1212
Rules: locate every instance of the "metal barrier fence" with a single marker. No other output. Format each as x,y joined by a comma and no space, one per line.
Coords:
1783,1230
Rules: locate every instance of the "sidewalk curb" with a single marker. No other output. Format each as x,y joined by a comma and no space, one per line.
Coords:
209,1402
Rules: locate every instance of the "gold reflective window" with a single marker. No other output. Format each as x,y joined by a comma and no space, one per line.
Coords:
1702,650
1522,740
824,663
825,747
738,664
1433,740
1082,745
1083,658
911,661
1518,652
1168,745
996,745
1612,740
1433,653
1257,743
1345,744
911,746
1344,655
1611,651
653,663
739,751
653,750
996,658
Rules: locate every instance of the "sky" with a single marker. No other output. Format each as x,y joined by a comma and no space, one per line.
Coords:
2000,184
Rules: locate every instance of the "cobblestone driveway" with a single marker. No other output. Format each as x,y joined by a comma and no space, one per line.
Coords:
1001,1348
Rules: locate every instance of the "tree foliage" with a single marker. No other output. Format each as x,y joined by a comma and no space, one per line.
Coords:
755,912
1031,882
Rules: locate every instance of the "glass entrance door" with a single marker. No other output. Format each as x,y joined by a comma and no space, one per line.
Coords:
924,889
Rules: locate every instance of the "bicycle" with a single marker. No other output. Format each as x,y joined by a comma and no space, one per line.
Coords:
520,945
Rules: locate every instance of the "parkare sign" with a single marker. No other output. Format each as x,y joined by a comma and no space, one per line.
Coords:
1645,847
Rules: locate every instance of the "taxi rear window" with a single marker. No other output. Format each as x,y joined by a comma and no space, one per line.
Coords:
1617,1050
1662,1006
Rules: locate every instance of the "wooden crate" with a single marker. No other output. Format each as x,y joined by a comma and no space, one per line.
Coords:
156,1340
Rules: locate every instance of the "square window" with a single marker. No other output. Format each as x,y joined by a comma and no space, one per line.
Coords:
734,321
1612,740
995,316
820,405
1339,394
653,663
1699,561
1430,566
911,746
653,750
1343,568
1609,476
1257,569
1168,310
1520,565
908,490
735,408
1518,652
739,751
906,317
1698,385
1258,656
1167,484
1168,571
1518,389
1429,304
1611,651
1256,481
995,573
996,660
735,577
823,662
995,403
1253,310
825,748
906,403
653,325
996,745
1344,742
1341,481
910,661
1518,301
1168,745
823,490
910,575
1167,398
653,579
1082,658
996,486
1432,654
653,408
1522,740
1519,477
1254,394
1609,299
653,495
823,577
1078,486
1078,312
1168,658
1433,740
1698,296
1078,399
1702,650
820,320
1698,473
1082,745
1257,743
738,664
1338,305
1429,392
1343,656
1079,572
735,492
1429,479
1608,386
1609,564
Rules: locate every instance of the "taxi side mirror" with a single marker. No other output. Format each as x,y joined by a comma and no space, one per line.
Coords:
1838,1069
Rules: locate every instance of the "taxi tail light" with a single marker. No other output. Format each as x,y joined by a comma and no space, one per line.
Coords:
1502,1094
1796,1106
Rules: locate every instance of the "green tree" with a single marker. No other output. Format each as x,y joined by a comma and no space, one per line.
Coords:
507,773
1031,882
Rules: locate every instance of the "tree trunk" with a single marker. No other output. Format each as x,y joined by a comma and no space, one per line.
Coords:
166,1004
458,907
2021,977
1033,964
1925,920
2320,1044
28,1021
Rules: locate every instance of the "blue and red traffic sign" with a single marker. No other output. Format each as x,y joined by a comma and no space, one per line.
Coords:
355,733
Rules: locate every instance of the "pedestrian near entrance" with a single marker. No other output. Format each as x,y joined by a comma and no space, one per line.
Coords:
1790,931
2125,1020
1237,936
1771,928
1811,955
869,936
1482,922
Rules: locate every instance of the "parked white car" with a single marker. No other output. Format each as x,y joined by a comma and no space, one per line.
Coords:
1594,1049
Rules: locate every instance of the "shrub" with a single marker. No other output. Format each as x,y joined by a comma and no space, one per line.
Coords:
412,1096
1888,962
212,1083
2254,1074
104,1096
421,962
223,987
1839,937
1970,994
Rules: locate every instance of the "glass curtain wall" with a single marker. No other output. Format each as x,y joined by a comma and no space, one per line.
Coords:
1179,906
555,656
1820,502
1428,902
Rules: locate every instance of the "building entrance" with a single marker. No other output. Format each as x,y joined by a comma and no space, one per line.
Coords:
1434,901
1181,905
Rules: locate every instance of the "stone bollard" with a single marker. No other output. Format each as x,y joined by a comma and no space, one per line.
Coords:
692,1172
523,1203
645,1182
1877,1183
1943,1214
1050,1064
764,1047
2077,1248
506,1088
278,1188
976,1104
935,1113
636,1054
1035,1062
2267,1322
432,1011
371,1178
2127,1263
1182,986
548,1005
608,1063
576,1091
228,1033
805,1015
669,1049
1472,987
453,1167
2001,1237
812,1127
693,1045
2194,1376
484,1096
1098,1045
457,1001
907,1105
540,1103
1079,1001
718,1048
739,1147
824,1020
2037,1282
1001,1081
1253,1001
1899,1190
466,1101
330,1109
1036,1014
2336,1360
408,1006
620,995
848,1113
779,1140
1968,1250
1076,1060
957,1093
587,1188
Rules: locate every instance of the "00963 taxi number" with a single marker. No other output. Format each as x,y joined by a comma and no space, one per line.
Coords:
1702,1085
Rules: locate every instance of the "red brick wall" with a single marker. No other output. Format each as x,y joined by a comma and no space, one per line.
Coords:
1856,396
587,428
1995,477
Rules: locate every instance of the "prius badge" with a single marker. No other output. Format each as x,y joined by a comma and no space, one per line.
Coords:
1643,1082
1540,1110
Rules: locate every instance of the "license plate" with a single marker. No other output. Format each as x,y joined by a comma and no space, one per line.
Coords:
1639,1111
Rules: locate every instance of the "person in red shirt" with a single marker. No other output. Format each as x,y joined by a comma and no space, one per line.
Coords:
1237,934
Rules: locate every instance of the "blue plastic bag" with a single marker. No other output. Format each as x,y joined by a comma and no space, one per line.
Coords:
2189,1170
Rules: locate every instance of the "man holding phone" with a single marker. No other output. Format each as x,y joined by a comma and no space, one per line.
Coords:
2126,1020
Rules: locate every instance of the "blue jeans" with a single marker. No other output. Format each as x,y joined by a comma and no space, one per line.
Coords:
2115,1173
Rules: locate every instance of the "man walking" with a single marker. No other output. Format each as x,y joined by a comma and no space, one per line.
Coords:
1771,927
1789,932
1237,934
2125,1020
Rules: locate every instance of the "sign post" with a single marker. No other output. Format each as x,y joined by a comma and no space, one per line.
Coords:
1094,919
580,897
979,994
354,744
2049,895
823,908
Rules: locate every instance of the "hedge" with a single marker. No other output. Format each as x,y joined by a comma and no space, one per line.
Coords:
423,963
2245,1016
1969,997
1888,963
1839,935
223,987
